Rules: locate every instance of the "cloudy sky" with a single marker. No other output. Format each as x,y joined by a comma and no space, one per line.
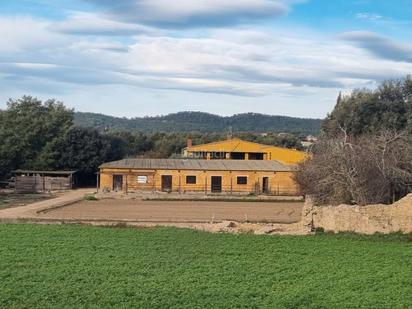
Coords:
150,57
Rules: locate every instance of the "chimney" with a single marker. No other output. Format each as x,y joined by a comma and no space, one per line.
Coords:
189,142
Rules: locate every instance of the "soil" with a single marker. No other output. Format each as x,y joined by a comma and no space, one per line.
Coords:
178,211
10,199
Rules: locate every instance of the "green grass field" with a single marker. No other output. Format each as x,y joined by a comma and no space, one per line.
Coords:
79,266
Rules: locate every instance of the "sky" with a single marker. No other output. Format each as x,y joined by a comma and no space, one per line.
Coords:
153,57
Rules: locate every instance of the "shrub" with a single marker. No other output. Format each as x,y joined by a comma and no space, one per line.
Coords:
90,198
368,169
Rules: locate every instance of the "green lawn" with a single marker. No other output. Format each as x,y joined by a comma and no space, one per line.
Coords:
78,266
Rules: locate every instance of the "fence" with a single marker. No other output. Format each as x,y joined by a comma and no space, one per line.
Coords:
275,190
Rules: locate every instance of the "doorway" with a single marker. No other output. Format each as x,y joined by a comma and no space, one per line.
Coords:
216,184
167,183
265,185
117,182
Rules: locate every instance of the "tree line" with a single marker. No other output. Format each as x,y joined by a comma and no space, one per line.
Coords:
43,136
364,155
202,122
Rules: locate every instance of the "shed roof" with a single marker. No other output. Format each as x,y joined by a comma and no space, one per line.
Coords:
44,172
194,164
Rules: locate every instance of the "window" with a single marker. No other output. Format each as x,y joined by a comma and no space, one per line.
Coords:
191,179
242,180
142,179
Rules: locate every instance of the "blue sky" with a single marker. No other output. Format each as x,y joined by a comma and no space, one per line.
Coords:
150,57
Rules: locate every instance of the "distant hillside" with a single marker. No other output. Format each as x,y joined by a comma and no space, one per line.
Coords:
202,122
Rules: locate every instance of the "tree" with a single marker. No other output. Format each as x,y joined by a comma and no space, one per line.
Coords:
389,107
364,155
83,150
134,143
374,168
365,152
26,127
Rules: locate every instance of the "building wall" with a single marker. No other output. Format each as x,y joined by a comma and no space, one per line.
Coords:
288,156
285,155
39,183
280,183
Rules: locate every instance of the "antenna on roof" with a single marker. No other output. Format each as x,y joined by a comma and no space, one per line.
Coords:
230,133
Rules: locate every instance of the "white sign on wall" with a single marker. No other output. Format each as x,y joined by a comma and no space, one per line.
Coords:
141,179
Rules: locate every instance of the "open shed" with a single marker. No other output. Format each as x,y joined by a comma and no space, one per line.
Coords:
31,181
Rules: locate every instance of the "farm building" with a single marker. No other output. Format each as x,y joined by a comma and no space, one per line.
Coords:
30,181
237,149
190,175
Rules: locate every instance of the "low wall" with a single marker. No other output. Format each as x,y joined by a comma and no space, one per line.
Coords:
368,219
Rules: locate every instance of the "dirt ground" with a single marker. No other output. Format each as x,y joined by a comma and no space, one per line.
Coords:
8,198
179,211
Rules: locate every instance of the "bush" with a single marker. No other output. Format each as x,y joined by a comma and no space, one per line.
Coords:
369,169
90,198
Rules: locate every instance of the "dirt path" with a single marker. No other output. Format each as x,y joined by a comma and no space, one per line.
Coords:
30,211
178,211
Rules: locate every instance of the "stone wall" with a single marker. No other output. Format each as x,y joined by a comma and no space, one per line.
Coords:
364,219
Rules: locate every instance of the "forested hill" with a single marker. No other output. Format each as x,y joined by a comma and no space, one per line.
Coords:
202,122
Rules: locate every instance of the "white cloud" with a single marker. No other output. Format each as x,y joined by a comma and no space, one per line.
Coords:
380,46
368,16
191,12
19,33
238,62
80,23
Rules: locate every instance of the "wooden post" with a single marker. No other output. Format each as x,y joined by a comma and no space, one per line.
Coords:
180,183
205,182
231,183
127,183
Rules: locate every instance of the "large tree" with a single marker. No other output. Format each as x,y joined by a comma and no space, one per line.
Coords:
365,152
26,127
389,107
83,150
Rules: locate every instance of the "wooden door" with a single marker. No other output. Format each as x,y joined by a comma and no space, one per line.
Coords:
265,185
117,182
216,184
167,183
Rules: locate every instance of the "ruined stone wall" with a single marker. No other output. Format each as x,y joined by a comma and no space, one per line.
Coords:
364,219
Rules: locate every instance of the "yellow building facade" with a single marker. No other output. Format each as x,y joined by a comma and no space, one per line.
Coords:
237,149
206,176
